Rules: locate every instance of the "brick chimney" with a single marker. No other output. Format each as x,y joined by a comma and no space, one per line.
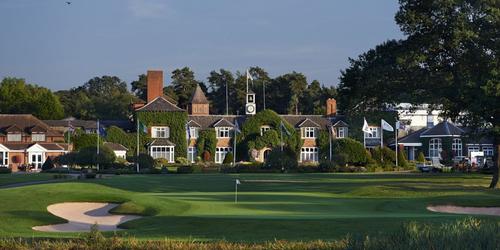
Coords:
331,107
155,84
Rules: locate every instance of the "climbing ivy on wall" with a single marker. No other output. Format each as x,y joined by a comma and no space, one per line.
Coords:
323,144
207,141
129,140
176,121
250,137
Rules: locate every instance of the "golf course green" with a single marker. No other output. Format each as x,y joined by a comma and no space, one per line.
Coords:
270,206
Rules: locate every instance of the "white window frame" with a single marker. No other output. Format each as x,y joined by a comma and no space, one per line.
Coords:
264,128
14,137
224,132
165,152
488,150
309,154
341,132
456,147
375,133
36,158
194,132
40,137
309,132
160,132
220,153
435,148
4,158
192,154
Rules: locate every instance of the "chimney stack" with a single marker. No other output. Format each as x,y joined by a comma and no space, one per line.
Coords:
155,84
331,107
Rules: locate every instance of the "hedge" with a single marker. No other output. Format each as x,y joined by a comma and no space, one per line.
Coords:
207,141
354,151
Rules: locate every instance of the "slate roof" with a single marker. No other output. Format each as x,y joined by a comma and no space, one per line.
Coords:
115,146
296,120
198,96
411,138
308,123
24,123
442,129
208,121
24,146
84,124
192,123
223,123
340,123
160,104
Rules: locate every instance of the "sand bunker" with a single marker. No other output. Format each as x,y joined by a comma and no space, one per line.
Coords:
82,215
465,210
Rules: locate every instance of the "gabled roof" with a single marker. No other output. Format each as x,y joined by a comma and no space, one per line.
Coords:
115,146
84,124
198,96
296,120
308,123
209,121
24,123
192,123
443,129
161,142
340,123
36,146
160,104
223,123
38,129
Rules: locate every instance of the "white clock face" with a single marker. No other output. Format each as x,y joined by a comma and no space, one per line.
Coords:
250,109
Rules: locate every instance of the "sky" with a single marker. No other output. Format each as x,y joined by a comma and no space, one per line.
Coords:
59,46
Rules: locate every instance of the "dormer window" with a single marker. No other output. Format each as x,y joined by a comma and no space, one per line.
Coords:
193,132
38,137
14,137
264,129
160,132
342,132
223,132
308,132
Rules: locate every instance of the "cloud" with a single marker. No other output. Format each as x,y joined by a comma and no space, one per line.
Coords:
149,8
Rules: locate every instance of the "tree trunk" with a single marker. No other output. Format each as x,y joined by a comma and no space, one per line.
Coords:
496,164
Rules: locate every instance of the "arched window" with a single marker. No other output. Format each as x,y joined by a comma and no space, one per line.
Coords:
435,148
456,147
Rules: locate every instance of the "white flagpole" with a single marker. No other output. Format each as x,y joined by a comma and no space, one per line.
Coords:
236,192
234,148
397,146
281,135
137,150
381,141
98,132
330,141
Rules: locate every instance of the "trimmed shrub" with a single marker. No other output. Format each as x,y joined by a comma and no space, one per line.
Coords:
48,164
185,170
421,157
182,160
228,159
327,166
207,141
340,159
402,161
384,156
88,156
5,170
354,150
278,159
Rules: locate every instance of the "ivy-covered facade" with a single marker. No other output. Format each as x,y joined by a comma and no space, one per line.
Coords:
195,134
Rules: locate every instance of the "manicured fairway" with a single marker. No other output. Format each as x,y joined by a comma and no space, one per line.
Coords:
281,206
8,179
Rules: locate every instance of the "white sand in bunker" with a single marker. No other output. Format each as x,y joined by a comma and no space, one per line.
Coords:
465,210
82,216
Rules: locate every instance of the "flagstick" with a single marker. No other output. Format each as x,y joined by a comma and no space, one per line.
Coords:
137,149
236,192
98,132
397,146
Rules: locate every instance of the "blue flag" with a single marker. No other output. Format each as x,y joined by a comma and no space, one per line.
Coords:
101,131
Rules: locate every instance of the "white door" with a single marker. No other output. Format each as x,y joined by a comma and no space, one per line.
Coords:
36,159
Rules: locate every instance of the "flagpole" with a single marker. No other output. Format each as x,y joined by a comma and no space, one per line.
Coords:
281,135
98,132
381,142
137,148
236,192
234,148
397,146
330,141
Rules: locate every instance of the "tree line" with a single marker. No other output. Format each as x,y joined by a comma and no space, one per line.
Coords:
109,97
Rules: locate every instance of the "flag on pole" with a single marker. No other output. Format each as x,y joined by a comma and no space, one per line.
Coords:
237,127
249,76
188,131
366,128
238,182
386,126
282,125
143,127
101,131
333,131
71,128
400,125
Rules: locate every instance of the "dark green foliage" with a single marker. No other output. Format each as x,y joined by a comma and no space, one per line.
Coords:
354,150
129,140
229,158
385,156
176,121
341,159
83,140
48,164
327,166
323,144
420,157
5,170
206,142
402,161
250,133
88,156
66,159
183,85
278,159
145,161
355,121
18,97
139,87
